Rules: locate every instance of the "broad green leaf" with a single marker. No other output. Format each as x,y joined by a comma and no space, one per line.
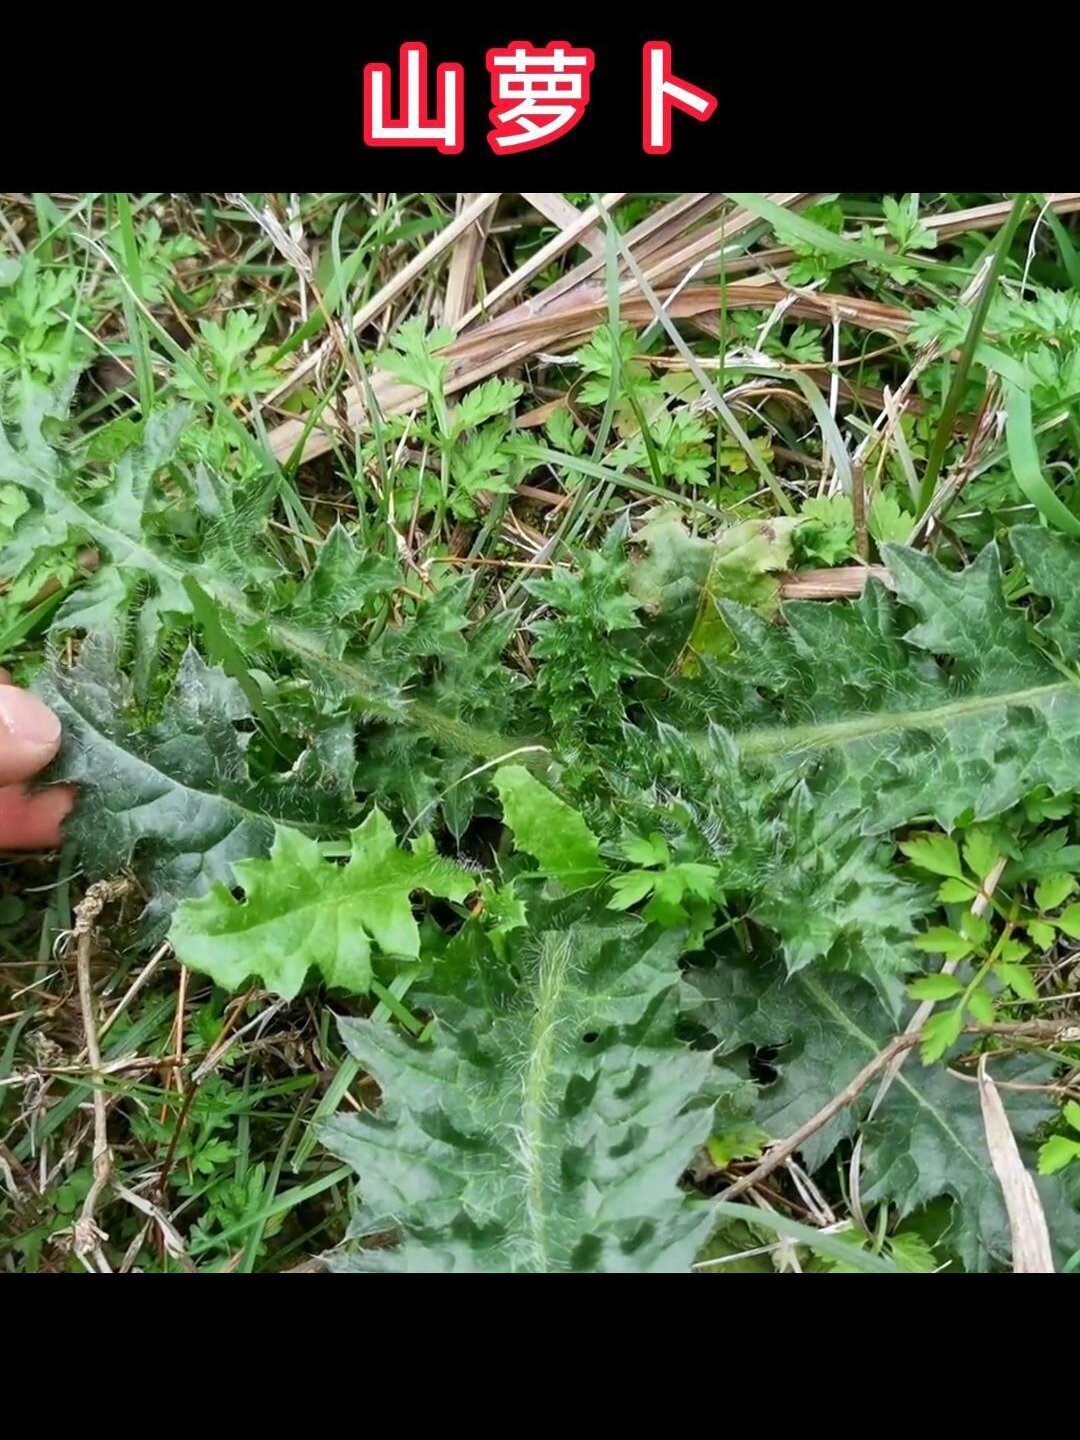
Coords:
935,987
737,1142
975,928
176,797
302,912
546,1124
1012,950
1054,891
940,1033
1069,921
548,829
1056,1153
939,940
682,576
956,892
1041,932
630,888
980,1004
912,1254
1018,979
981,852
887,521
926,1140
639,851
936,853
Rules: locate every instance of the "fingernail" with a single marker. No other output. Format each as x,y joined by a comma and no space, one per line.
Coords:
27,720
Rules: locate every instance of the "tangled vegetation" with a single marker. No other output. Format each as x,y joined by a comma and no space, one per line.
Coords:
575,709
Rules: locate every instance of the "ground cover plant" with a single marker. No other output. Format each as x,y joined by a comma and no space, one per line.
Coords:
575,712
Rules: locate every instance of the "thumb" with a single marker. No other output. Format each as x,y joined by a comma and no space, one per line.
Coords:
29,735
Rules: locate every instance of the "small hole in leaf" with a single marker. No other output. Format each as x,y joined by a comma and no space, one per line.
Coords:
762,1065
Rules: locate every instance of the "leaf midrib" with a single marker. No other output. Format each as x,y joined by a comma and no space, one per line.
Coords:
457,733
362,887
778,739
553,970
772,740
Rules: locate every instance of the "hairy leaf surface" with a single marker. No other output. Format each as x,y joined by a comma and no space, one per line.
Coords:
858,688
177,797
543,1128
851,720
115,521
926,1140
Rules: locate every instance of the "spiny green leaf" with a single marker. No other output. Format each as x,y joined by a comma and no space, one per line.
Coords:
903,735
177,797
927,1138
581,645
832,896
60,509
341,582
114,515
849,722
29,465
1050,561
544,1129
548,829
301,911
966,617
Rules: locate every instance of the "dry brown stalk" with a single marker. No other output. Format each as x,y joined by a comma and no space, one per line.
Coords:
844,583
507,341
895,1052
1031,1252
465,260
87,1235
